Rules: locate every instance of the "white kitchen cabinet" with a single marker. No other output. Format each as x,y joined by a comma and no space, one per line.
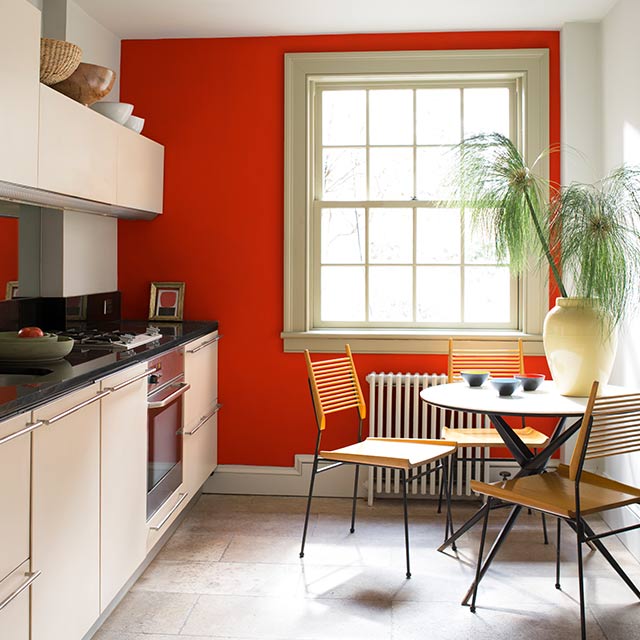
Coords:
164,517
201,451
77,149
15,494
200,411
19,82
14,603
201,372
65,513
124,479
140,172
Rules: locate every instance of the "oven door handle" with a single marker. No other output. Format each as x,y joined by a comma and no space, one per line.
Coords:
182,388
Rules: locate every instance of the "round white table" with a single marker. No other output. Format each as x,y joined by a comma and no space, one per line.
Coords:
544,402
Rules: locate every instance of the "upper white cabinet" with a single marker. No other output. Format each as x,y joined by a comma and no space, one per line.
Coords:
140,172
65,512
124,479
19,82
78,149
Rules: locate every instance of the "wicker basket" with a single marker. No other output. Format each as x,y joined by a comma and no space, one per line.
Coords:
58,60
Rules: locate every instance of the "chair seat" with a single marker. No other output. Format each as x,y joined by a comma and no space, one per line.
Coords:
491,438
554,492
396,453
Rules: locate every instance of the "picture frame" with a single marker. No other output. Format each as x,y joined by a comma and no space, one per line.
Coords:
11,290
166,301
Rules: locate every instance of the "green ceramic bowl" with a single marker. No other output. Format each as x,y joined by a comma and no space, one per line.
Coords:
48,347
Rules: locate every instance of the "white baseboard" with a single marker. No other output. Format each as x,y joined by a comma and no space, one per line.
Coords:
284,481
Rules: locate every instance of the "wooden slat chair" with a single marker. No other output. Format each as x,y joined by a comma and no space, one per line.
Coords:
335,387
500,363
610,427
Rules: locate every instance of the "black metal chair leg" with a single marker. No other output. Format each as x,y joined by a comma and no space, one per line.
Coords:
476,582
355,495
403,480
579,537
306,518
446,481
441,491
544,529
558,554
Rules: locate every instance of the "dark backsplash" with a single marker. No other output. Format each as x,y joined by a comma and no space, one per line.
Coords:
59,313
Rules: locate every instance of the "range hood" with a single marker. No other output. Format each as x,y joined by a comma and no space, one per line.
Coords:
41,198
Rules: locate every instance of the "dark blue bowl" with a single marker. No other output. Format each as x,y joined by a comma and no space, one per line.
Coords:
505,386
530,381
474,378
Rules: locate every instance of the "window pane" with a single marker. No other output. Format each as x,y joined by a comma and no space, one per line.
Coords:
438,294
390,294
343,174
486,110
342,236
391,116
391,174
344,117
438,116
432,173
479,245
487,294
390,236
438,236
342,291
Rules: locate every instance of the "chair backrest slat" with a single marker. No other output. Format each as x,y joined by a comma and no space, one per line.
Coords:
334,386
610,427
499,362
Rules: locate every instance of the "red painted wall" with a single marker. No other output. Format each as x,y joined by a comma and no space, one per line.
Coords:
8,252
218,107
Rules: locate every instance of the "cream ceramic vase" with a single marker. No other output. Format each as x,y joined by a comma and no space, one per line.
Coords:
580,346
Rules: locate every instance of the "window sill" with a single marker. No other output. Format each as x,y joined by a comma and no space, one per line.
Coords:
397,341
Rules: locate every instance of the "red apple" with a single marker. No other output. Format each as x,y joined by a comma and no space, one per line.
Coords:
30,332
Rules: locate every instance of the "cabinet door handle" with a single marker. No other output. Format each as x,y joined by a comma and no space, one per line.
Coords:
182,388
203,420
122,385
30,427
81,405
31,577
162,522
204,344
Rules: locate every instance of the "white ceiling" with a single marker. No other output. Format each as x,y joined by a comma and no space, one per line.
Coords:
228,18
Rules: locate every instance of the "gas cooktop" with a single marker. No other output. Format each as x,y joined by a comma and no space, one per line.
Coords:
115,340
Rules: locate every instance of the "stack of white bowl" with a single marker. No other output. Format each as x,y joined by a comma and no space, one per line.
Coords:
120,112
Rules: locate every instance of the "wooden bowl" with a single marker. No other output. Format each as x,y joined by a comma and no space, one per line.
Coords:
87,84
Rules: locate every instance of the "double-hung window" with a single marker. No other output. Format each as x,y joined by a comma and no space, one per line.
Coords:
376,248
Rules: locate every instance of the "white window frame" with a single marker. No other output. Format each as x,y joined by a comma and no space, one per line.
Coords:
529,66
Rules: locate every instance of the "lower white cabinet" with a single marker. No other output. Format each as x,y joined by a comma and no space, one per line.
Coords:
201,451
14,603
65,546
15,482
123,527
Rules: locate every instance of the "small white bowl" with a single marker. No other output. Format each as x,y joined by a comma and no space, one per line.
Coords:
117,111
134,123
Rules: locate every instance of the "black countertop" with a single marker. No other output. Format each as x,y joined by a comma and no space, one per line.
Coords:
85,365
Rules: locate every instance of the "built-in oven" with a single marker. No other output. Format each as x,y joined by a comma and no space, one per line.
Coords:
166,389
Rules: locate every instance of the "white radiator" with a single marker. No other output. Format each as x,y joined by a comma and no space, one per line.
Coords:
396,411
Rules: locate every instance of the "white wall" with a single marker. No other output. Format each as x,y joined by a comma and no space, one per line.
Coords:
621,144
98,44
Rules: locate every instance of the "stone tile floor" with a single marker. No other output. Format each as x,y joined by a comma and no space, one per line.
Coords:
232,570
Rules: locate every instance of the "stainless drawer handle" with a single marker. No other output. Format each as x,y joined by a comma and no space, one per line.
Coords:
31,577
161,524
30,427
204,344
182,388
68,412
203,420
122,385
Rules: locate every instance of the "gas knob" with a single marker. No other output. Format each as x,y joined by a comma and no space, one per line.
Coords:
153,379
